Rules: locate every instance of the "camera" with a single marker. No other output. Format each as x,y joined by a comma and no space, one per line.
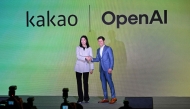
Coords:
65,93
12,90
15,102
65,104
29,104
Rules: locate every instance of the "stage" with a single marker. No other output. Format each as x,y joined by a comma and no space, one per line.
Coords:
54,102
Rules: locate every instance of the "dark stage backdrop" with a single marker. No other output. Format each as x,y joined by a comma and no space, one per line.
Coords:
150,41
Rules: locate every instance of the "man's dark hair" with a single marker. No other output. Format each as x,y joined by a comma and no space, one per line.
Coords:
87,44
101,37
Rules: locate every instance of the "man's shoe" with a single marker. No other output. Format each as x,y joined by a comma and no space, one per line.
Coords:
113,100
103,101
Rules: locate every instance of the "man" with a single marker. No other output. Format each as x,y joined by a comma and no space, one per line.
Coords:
106,59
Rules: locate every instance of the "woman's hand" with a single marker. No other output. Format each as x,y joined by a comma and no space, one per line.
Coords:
91,71
88,58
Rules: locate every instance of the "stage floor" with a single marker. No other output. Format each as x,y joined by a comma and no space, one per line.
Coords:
54,102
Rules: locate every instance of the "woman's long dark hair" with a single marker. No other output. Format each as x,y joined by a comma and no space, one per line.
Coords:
87,44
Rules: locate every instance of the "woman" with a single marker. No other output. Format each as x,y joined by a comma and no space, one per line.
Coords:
82,67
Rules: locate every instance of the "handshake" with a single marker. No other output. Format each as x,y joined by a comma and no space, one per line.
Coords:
88,58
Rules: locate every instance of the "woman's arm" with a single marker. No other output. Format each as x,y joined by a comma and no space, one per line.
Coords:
79,57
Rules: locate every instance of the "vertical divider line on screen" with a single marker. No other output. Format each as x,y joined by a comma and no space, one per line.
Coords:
89,20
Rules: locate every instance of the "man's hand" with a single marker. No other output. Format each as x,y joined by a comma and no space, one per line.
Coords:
88,58
91,71
109,70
